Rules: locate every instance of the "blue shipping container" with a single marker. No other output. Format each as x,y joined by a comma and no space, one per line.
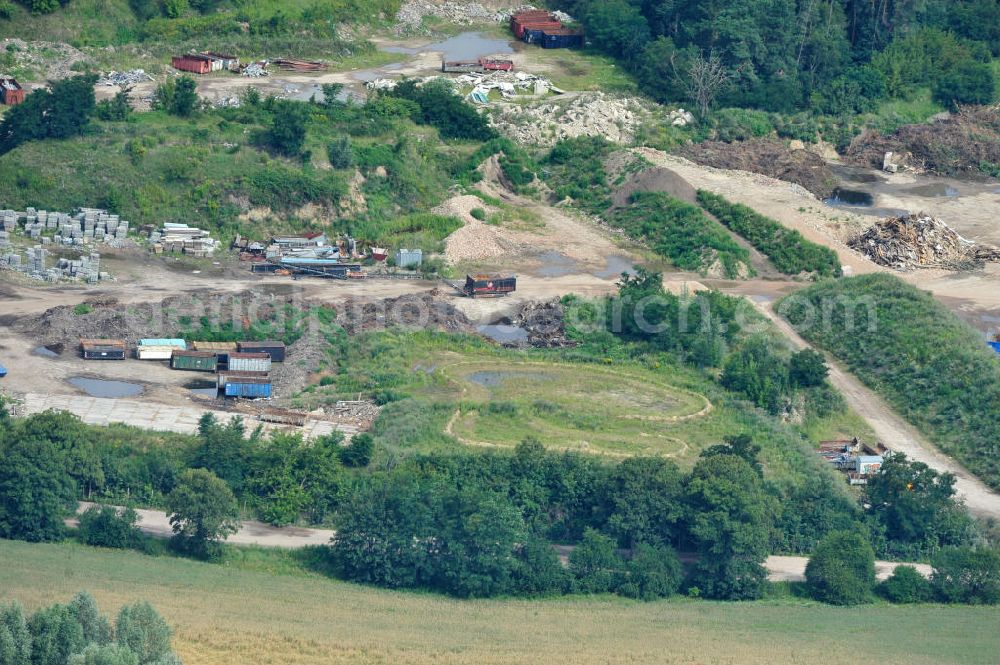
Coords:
179,343
996,346
248,389
532,36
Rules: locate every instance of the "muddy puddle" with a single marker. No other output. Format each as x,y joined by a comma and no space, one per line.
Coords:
614,266
105,388
843,197
932,190
557,264
466,46
505,334
494,379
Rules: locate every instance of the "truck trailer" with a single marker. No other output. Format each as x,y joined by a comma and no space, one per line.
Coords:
489,286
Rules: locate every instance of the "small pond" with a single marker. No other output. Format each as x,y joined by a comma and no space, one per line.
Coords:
850,197
504,334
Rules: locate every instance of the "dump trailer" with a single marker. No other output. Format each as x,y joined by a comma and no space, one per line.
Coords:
489,286
103,349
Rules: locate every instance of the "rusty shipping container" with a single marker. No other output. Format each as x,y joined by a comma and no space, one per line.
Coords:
249,362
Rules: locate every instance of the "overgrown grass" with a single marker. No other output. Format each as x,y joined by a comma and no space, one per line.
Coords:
229,614
931,366
787,249
683,234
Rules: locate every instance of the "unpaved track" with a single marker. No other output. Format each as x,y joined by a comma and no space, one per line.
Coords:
157,524
892,430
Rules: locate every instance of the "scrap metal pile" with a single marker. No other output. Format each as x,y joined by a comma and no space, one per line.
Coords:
300,65
920,241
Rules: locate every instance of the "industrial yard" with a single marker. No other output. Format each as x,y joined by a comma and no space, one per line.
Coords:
416,318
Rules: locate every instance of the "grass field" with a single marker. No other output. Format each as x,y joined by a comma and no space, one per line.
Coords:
617,412
225,615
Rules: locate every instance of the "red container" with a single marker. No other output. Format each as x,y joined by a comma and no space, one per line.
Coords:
539,24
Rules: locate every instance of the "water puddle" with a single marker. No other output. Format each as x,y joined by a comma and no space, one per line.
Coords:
366,75
105,387
556,264
50,351
615,266
493,379
932,190
466,46
850,197
504,334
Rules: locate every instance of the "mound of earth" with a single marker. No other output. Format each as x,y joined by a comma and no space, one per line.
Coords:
656,179
767,157
958,144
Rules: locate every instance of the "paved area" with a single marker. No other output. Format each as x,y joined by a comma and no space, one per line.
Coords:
160,417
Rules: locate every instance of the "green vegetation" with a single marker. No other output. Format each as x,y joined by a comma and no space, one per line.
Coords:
203,510
288,618
60,111
682,233
906,585
787,249
841,570
843,57
930,366
77,634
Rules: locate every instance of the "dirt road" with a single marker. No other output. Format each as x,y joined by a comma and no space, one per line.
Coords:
157,524
892,430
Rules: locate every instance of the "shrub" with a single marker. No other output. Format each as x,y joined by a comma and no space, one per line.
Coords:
906,585
594,563
478,213
841,570
787,249
967,575
359,452
653,572
970,83
108,526
682,233
340,153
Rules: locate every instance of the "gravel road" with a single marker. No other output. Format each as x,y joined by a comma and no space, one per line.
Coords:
892,430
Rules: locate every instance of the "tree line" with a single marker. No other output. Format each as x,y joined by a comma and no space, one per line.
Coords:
828,56
78,634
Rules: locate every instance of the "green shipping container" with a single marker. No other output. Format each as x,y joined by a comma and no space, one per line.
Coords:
198,361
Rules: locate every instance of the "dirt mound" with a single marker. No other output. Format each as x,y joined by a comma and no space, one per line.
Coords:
423,311
920,241
544,323
656,179
767,157
958,144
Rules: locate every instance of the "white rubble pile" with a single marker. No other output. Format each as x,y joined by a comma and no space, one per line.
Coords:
589,114
255,70
412,13
680,118
508,83
131,77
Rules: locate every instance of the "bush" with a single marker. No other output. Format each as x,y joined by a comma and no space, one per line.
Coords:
653,572
594,563
967,575
359,452
340,153
682,233
970,83
841,570
445,110
906,585
478,213
108,526
787,249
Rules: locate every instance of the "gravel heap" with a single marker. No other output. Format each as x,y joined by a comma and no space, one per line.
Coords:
412,13
588,114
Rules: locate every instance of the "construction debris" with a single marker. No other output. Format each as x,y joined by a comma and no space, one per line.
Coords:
921,241
411,15
508,83
589,114
544,322
85,226
255,69
121,79
183,238
301,65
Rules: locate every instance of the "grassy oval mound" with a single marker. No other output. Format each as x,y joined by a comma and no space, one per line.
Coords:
568,406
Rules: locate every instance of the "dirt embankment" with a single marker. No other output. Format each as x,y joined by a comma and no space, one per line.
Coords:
956,145
767,157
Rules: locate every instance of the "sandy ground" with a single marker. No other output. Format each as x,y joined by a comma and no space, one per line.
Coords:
973,295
